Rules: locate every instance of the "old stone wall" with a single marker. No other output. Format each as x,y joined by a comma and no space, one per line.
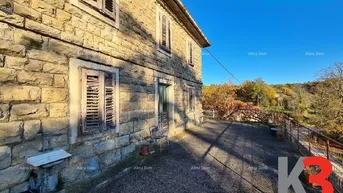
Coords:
36,45
249,116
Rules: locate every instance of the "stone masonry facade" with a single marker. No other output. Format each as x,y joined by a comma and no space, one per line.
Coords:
37,43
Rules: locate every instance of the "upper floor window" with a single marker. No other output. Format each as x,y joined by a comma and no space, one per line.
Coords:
164,33
190,53
107,7
105,10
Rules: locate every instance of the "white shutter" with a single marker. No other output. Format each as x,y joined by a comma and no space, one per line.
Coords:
91,102
109,7
95,3
109,101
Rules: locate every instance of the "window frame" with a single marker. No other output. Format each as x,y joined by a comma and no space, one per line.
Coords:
190,104
95,10
159,32
188,53
75,95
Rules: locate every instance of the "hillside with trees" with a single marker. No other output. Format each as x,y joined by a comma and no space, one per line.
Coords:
317,104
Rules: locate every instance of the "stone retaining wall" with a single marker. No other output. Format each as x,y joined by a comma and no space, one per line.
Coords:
36,45
249,116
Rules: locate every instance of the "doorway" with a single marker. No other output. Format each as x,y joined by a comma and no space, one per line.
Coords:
163,106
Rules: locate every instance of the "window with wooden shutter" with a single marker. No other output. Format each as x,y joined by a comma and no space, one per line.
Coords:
110,101
191,99
109,8
98,101
91,109
190,57
164,35
94,3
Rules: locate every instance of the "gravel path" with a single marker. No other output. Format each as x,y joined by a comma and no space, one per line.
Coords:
217,157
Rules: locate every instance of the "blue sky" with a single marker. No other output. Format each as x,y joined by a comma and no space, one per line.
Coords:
281,30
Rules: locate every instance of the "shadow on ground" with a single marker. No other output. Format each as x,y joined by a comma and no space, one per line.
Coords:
217,157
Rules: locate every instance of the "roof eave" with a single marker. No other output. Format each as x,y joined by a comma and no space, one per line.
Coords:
182,13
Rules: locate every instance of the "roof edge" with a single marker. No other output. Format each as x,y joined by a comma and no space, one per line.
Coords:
185,17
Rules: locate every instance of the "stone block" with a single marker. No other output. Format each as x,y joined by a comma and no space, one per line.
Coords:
31,129
60,81
41,28
72,173
126,128
58,141
20,187
55,125
56,3
12,19
13,175
62,48
73,10
27,12
126,151
110,158
20,93
5,157
92,166
15,62
11,129
28,39
34,65
43,7
11,49
140,135
83,151
10,134
105,146
54,95
4,112
7,75
123,140
47,56
66,36
26,149
58,110
5,191
35,78
54,68
28,111
79,23
52,22
6,32
63,15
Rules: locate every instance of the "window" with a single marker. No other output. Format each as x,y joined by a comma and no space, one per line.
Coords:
94,100
98,96
190,50
107,7
105,10
191,99
164,33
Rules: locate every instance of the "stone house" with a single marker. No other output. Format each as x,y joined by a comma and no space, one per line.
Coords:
92,77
